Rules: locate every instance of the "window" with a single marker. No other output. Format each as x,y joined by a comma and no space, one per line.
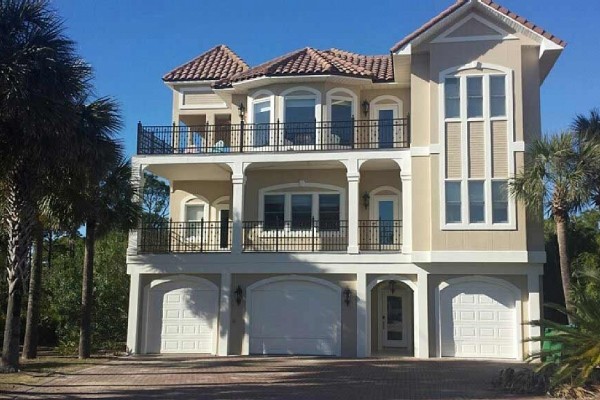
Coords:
329,211
262,119
452,93
453,204
300,126
274,211
497,96
194,215
341,121
499,202
301,211
476,202
474,97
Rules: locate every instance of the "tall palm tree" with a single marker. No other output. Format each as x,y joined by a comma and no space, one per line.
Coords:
587,129
555,179
97,193
40,76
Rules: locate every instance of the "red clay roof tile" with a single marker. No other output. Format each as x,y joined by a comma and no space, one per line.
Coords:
218,63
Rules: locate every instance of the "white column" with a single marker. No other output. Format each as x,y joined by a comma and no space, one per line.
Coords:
362,346
133,315
353,204
421,325
224,314
237,210
406,212
534,307
137,180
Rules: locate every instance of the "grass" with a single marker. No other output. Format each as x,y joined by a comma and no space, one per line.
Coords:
34,372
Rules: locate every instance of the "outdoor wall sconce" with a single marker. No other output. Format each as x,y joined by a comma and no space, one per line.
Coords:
365,107
242,110
365,199
347,296
392,286
239,295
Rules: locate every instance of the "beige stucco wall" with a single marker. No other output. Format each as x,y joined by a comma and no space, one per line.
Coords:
210,191
428,61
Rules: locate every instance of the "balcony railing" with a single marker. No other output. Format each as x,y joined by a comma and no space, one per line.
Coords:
275,137
295,236
276,237
381,235
185,237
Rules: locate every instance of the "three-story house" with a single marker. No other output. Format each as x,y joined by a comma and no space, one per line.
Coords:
332,203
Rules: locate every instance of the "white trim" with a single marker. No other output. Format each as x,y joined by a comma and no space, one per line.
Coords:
194,200
340,93
483,279
175,279
199,90
477,68
478,256
301,278
501,33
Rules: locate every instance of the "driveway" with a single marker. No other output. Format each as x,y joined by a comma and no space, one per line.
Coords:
290,378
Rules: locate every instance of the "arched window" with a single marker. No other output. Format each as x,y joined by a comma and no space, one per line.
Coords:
341,110
301,108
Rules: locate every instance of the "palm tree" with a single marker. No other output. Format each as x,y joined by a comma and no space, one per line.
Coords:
30,340
555,179
40,76
587,129
98,194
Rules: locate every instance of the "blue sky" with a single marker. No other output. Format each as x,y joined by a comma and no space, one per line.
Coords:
132,43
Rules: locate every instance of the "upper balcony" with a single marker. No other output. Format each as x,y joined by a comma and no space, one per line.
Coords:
392,133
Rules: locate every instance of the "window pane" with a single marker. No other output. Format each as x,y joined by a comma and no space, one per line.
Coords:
274,211
341,122
329,211
262,117
476,202
474,97
497,96
301,211
452,93
453,214
300,127
499,202
194,212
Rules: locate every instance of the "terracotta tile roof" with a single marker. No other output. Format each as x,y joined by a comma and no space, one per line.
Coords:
460,3
310,61
218,63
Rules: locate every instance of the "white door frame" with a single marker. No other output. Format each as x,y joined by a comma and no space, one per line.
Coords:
396,108
416,315
404,294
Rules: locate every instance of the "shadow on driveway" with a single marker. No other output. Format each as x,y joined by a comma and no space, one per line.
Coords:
274,378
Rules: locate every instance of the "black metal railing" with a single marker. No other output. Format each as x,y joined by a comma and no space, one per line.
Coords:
295,236
380,235
185,237
275,137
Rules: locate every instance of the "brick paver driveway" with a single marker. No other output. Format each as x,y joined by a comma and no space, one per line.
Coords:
290,378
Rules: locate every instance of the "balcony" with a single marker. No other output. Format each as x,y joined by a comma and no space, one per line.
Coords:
274,137
281,237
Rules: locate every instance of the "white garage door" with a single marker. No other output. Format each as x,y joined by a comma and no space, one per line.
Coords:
295,317
185,319
478,321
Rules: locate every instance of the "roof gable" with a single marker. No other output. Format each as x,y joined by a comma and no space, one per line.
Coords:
462,6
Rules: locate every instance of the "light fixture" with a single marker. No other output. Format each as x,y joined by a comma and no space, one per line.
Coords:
242,110
347,296
392,285
365,199
365,107
239,295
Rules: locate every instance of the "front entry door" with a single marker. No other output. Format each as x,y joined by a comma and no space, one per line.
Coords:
394,318
387,135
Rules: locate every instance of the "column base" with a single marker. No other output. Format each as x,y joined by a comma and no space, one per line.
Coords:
353,250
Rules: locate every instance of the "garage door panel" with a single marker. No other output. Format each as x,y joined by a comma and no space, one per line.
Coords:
478,320
294,317
184,316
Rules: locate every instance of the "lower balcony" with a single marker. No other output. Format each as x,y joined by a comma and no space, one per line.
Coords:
269,237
